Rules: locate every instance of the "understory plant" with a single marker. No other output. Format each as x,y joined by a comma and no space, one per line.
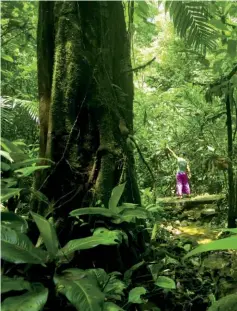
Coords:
16,167
85,289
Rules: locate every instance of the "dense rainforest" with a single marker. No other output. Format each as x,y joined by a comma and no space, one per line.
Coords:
119,155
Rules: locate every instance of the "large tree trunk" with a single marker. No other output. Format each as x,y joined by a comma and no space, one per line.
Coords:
86,111
86,92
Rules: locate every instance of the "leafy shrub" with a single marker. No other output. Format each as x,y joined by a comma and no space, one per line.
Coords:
16,165
90,289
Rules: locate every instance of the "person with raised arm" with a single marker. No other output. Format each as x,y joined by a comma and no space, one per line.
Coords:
182,176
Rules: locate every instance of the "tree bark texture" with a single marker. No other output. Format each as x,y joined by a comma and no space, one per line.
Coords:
232,212
86,92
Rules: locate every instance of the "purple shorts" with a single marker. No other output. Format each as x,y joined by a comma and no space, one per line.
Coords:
182,185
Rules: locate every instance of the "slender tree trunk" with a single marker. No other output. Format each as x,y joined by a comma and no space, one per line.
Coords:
232,212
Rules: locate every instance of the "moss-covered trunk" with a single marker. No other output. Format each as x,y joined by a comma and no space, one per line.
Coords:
232,212
86,103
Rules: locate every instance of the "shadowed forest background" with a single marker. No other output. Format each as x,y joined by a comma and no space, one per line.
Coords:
94,94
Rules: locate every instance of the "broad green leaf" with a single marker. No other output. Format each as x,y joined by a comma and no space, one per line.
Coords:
129,272
8,182
100,275
31,301
106,237
110,306
18,156
128,205
17,248
227,243
114,287
8,58
113,234
6,155
231,47
143,9
82,291
155,270
29,162
129,215
218,24
27,171
19,143
16,284
227,7
40,196
93,211
165,282
226,303
48,233
10,147
7,193
14,221
5,167
135,295
115,197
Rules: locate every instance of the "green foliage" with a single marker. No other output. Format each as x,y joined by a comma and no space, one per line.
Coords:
110,306
17,284
222,244
101,236
165,282
48,234
18,25
85,289
13,221
118,214
92,211
19,71
6,155
7,193
81,290
191,22
135,295
17,248
27,171
226,303
114,287
20,166
172,88
115,197
33,300
171,106
128,273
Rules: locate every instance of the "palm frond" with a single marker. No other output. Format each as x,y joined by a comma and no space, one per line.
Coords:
31,107
6,113
190,20
7,105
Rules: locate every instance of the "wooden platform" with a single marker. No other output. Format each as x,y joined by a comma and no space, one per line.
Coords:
201,199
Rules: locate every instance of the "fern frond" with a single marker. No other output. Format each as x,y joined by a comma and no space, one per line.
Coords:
6,113
7,105
30,106
190,20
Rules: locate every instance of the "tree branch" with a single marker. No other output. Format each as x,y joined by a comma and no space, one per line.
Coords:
142,66
220,81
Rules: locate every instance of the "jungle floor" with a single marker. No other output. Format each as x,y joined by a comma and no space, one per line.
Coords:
200,280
